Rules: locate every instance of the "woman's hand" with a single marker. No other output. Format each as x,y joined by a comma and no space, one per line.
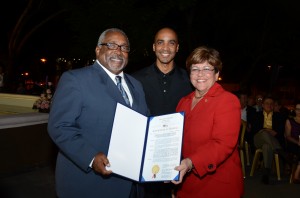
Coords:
185,166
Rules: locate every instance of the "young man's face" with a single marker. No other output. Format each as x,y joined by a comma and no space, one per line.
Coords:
165,46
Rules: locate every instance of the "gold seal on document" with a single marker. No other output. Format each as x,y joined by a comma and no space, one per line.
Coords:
155,170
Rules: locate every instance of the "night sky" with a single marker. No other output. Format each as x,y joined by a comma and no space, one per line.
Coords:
250,35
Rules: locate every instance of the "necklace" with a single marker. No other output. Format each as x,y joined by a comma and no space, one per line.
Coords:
198,97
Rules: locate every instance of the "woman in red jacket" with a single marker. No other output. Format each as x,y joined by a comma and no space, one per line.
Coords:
211,165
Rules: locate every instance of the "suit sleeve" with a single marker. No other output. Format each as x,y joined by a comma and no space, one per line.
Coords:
62,126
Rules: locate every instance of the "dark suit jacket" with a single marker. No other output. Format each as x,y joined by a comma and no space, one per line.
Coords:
80,123
278,124
158,102
250,113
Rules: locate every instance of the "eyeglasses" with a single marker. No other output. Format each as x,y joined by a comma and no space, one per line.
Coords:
205,70
114,46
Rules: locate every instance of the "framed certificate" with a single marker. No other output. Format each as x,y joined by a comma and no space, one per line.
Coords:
145,149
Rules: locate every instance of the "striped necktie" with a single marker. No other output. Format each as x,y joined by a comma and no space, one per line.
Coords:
122,90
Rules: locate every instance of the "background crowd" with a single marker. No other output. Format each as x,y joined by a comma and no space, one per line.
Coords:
273,128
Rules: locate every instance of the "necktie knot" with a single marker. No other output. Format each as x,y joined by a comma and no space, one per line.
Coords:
119,79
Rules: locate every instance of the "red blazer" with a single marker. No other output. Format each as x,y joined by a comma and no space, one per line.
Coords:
211,134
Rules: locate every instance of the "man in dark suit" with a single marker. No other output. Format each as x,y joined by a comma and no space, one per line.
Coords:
268,130
164,84
81,120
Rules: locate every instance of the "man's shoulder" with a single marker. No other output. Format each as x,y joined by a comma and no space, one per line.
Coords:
131,77
258,115
81,73
143,70
143,73
279,116
251,109
181,69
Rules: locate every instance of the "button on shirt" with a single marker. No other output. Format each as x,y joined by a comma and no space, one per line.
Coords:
165,82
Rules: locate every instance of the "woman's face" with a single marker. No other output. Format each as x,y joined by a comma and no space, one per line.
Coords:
203,76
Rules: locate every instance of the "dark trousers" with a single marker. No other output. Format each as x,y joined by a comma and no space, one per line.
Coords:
151,190
158,190
268,144
137,191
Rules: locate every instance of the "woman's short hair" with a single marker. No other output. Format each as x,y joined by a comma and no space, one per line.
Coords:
203,54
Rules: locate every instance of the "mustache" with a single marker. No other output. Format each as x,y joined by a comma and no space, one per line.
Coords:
116,56
165,51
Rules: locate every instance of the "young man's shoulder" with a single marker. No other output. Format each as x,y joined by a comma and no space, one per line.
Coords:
143,72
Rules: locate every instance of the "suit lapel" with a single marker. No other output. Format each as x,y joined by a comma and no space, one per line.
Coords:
110,86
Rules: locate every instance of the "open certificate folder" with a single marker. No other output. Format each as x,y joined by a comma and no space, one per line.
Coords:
145,149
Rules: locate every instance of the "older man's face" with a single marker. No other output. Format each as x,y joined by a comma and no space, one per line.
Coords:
113,60
268,105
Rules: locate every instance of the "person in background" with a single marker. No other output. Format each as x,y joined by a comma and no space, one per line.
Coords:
258,103
2,79
243,101
251,101
164,84
81,119
51,87
211,166
268,131
278,107
21,89
292,135
247,114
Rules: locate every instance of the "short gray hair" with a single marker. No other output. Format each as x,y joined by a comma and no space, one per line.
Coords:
103,35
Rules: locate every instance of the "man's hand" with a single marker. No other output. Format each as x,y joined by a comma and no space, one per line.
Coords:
99,164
